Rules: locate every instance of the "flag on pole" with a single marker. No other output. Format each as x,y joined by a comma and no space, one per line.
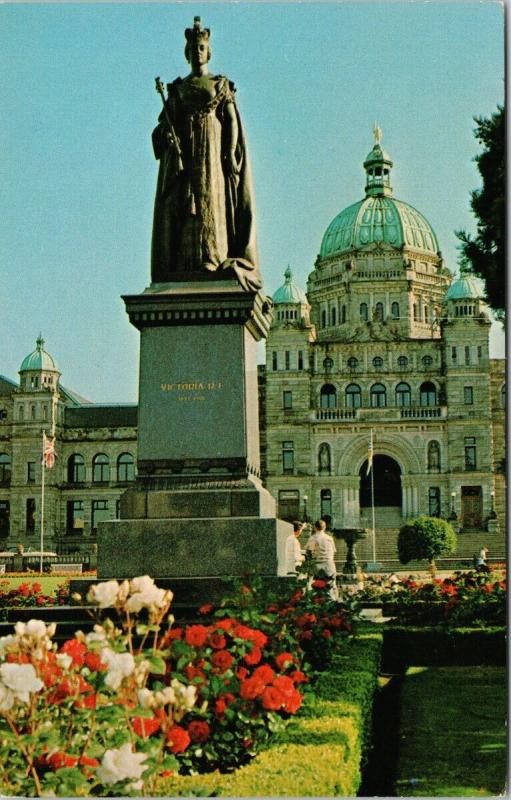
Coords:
370,455
48,451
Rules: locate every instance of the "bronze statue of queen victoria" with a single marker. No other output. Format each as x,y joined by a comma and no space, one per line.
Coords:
204,217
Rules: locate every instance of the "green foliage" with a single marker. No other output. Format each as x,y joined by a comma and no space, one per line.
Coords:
425,538
320,752
436,646
484,255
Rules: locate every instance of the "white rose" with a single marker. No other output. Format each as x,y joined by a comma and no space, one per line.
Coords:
144,594
63,660
104,594
34,628
5,642
120,764
119,666
21,679
145,698
186,695
6,698
167,695
96,635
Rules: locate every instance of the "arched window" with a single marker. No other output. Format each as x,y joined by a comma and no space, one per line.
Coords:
328,396
428,394
403,395
378,312
378,362
324,459
433,457
352,362
364,312
394,310
402,362
378,395
427,361
125,468
5,469
75,469
101,468
353,396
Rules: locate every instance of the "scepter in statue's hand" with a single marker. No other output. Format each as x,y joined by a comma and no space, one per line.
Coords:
160,88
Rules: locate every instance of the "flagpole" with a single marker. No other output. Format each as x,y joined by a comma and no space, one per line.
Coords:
372,498
43,470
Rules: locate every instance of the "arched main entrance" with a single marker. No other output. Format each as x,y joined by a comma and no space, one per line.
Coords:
387,483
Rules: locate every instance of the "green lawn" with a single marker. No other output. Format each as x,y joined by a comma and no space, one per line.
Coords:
48,582
452,733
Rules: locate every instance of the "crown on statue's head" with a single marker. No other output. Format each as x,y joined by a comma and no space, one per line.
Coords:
197,33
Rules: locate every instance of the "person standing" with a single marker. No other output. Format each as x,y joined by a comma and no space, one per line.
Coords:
322,548
482,565
293,555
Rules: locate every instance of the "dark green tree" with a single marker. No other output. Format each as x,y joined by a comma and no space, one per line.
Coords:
425,538
484,254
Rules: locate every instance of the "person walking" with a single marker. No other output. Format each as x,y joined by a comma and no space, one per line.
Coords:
482,558
293,554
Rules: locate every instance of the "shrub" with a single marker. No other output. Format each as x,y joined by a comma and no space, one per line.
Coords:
425,538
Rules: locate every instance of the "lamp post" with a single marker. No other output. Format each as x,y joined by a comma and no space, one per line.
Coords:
453,510
305,498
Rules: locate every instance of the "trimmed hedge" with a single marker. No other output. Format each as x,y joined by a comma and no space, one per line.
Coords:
430,646
322,750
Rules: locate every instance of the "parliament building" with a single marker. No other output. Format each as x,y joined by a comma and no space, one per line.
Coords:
383,345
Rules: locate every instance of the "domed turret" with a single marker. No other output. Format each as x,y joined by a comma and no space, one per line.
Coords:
379,218
289,292
291,304
466,287
39,369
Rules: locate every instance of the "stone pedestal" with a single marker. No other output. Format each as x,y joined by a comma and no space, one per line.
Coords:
198,507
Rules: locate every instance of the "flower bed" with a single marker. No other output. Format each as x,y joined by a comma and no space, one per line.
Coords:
116,710
30,594
465,598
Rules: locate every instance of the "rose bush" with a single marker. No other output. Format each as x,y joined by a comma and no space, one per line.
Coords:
28,595
111,711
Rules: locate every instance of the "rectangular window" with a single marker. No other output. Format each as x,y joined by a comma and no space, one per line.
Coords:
4,518
300,359
30,515
434,501
467,354
479,352
274,361
288,457
287,357
333,316
99,513
30,471
287,399
415,312
75,516
289,504
454,354
470,453
468,394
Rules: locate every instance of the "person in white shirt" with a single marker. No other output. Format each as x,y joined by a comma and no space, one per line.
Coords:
322,548
294,556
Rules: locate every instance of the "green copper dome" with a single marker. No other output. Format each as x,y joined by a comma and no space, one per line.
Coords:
379,217
289,292
466,287
39,359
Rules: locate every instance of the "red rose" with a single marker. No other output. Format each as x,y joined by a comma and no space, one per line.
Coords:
207,608
222,660
174,633
40,601
199,731
272,699
177,739
216,641
284,660
76,650
326,633
299,677
196,635
241,673
36,588
306,635
89,701
284,684
94,663
145,726
167,773
264,673
258,638
86,761
192,672
251,688
319,584
60,759
253,657
293,702
220,706
225,624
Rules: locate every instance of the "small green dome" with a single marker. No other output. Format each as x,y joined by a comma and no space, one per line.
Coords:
289,292
39,359
378,218
466,287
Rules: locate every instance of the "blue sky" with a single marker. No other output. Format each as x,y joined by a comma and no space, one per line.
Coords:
78,174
